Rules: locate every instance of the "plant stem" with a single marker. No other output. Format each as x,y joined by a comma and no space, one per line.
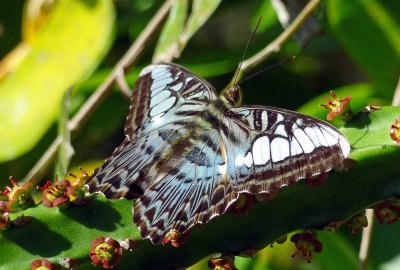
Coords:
366,240
396,96
276,44
87,109
65,151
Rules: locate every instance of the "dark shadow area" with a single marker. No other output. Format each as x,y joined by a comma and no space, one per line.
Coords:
360,121
37,238
96,215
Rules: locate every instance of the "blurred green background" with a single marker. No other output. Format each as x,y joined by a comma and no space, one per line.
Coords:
48,46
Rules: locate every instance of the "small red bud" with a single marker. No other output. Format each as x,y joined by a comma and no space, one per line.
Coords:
395,131
79,194
387,212
57,194
225,262
19,197
306,243
4,216
357,223
43,264
175,238
243,204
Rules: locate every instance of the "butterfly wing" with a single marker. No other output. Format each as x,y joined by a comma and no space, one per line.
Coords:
268,148
185,170
166,98
164,94
191,188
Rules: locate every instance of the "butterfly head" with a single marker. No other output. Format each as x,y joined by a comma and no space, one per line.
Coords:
233,96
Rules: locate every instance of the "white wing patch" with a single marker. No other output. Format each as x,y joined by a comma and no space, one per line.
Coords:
331,140
264,120
295,148
280,130
279,149
305,142
261,153
247,160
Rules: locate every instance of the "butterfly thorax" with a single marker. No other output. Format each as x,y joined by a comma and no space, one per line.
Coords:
232,96
229,98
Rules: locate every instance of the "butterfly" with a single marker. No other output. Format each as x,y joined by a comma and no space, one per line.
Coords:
189,153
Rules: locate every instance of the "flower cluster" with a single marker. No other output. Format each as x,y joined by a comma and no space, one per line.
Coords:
395,131
105,251
357,223
17,197
79,193
43,264
387,212
62,193
64,263
175,238
57,194
4,216
14,199
243,204
225,262
338,107
306,243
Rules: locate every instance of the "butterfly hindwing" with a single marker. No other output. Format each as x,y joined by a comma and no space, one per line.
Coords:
273,147
190,189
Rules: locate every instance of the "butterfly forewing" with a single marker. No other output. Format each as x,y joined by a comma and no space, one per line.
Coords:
164,94
165,99
188,154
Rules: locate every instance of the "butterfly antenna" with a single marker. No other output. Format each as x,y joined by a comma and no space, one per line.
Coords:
247,47
268,68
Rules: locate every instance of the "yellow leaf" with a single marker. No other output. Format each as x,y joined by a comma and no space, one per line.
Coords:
63,51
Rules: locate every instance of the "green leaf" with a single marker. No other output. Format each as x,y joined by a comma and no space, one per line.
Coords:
337,252
361,94
68,233
201,11
177,31
369,30
265,11
168,44
64,51
56,234
370,130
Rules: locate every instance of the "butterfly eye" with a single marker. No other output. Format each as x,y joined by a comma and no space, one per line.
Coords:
233,95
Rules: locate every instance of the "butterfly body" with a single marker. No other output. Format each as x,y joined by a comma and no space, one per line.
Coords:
189,153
